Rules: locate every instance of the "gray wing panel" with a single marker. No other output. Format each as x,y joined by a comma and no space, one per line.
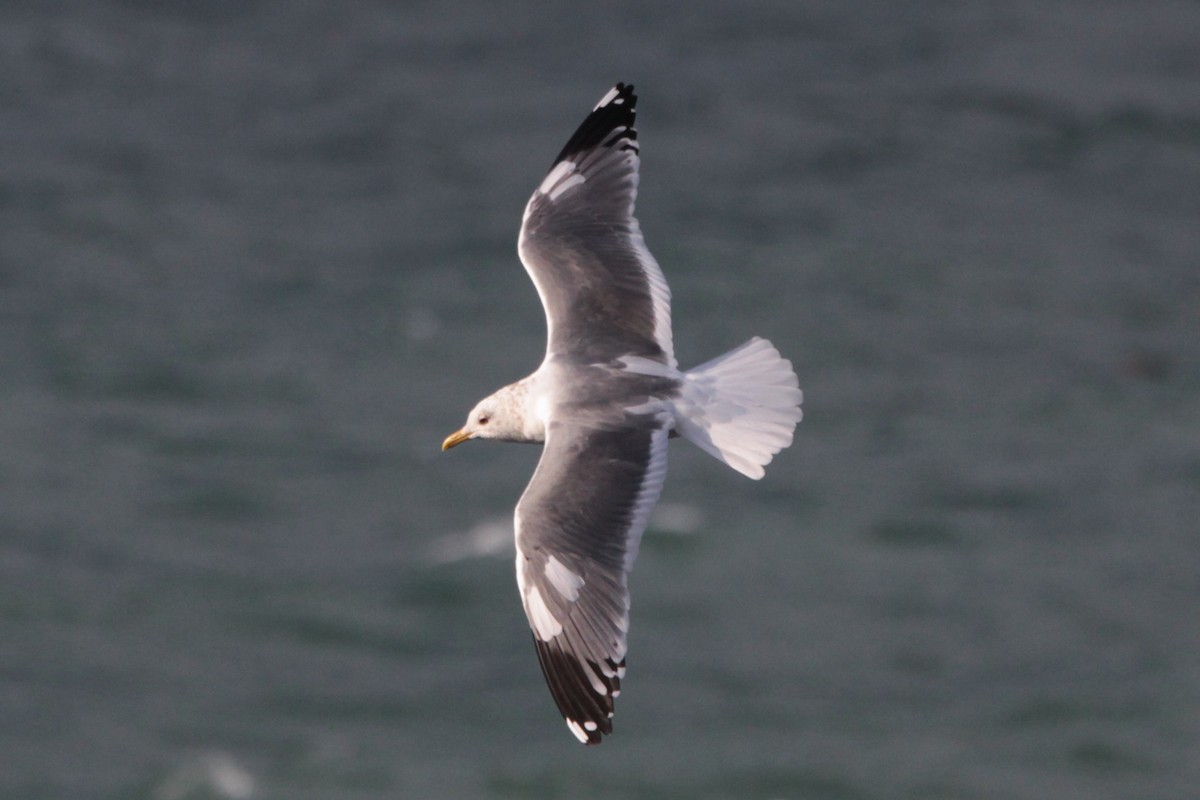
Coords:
578,528
604,294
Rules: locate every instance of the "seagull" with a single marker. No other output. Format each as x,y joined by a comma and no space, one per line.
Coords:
603,403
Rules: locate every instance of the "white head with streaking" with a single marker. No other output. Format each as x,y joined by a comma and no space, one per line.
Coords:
604,401
500,415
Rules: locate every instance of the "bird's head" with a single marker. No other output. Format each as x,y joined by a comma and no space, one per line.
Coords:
479,425
495,417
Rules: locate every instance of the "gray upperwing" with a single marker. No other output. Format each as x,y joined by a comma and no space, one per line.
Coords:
604,294
579,524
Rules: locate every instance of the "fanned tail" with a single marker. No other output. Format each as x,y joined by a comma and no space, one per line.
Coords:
741,407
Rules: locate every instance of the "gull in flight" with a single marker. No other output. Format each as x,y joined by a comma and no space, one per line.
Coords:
603,403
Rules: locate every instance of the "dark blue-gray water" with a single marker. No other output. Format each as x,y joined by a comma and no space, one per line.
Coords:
258,259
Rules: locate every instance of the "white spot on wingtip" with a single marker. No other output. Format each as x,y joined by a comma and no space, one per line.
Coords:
608,98
578,731
598,686
590,726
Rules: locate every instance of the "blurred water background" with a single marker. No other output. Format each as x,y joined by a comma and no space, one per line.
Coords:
257,259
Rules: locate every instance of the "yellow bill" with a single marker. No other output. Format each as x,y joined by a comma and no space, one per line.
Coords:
458,437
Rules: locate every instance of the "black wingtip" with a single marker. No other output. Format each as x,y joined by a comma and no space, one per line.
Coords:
615,111
587,714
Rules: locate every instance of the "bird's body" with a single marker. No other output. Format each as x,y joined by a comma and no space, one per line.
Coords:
604,401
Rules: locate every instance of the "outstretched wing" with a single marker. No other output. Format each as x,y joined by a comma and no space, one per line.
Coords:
578,526
604,294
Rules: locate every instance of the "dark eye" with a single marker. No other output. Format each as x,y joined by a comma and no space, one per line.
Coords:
483,420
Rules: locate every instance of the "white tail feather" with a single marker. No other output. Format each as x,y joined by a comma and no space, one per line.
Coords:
741,407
